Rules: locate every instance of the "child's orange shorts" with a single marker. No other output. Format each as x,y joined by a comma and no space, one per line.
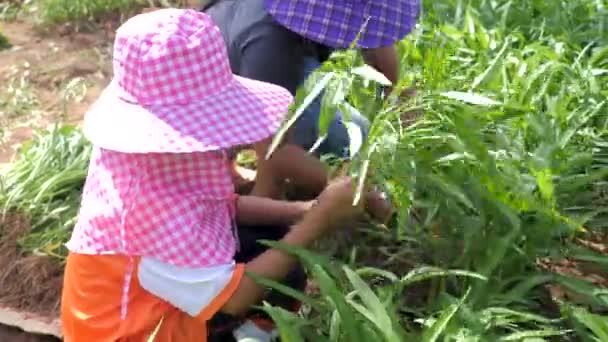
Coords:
91,305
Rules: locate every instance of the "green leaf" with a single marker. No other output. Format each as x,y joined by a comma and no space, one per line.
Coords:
333,97
374,310
584,254
544,179
4,42
520,316
424,273
596,323
594,295
286,290
366,271
521,335
305,255
485,75
310,97
450,189
287,323
368,72
472,98
521,291
329,289
432,334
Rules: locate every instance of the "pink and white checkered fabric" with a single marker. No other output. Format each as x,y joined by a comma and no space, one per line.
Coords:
176,208
157,186
173,90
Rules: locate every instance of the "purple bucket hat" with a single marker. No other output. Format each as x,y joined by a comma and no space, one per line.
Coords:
336,23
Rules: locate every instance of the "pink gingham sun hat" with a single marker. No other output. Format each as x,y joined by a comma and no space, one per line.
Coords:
173,91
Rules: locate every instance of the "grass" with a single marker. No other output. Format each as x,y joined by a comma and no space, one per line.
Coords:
10,9
60,11
45,182
504,173
18,99
79,12
506,167
4,43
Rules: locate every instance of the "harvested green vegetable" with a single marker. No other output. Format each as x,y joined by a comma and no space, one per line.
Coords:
45,183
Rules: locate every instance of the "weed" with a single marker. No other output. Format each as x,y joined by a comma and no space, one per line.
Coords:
9,10
78,11
12,9
502,169
75,90
19,98
4,43
506,167
60,11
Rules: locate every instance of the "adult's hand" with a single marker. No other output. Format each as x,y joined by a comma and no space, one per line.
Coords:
385,60
335,204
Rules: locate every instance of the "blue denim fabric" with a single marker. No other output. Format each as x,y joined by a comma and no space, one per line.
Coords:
306,130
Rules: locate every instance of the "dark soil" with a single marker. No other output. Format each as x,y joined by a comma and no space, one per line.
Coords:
29,282
10,334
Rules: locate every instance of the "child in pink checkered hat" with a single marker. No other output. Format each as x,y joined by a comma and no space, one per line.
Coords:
156,249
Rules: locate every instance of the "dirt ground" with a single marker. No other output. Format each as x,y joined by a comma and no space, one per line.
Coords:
40,66
35,77
41,63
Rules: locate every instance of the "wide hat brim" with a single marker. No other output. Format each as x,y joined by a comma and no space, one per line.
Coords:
245,112
336,23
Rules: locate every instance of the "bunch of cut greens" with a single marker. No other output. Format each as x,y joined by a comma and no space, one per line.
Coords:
45,183
502,178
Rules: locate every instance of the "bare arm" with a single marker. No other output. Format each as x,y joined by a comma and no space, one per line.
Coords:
273,264
334,210
288,162
301,168
254,210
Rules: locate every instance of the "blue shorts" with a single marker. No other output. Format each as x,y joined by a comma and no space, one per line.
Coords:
337,142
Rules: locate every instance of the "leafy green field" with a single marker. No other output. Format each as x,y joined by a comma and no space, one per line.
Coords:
4,43
506,168
50,12
503,178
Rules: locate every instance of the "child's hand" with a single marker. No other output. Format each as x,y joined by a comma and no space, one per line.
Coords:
335,204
